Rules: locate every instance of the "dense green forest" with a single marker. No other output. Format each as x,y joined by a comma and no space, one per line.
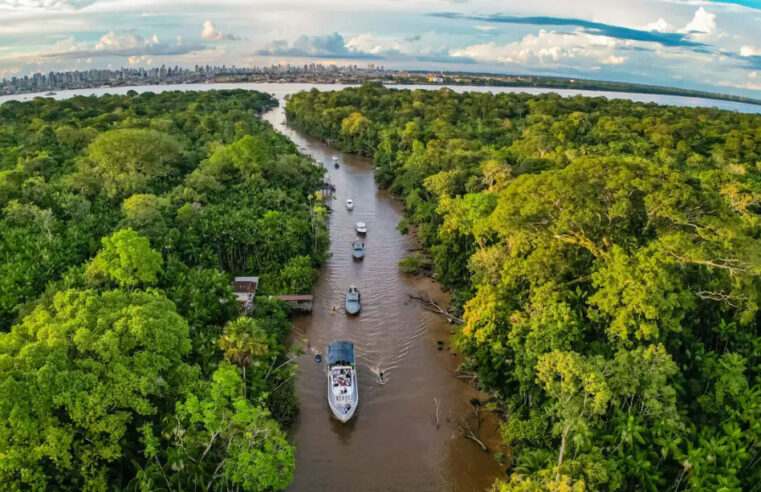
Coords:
606,255
545,82
125,363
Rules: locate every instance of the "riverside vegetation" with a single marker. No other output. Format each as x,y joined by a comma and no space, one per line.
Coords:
606,255
124,361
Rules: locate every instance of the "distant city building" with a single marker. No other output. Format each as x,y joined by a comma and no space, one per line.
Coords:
80,79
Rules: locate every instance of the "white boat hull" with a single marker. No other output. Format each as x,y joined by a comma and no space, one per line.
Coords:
343,406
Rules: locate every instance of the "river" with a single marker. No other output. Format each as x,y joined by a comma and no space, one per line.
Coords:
393,443
289,88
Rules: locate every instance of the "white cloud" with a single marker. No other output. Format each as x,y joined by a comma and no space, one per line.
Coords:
744,85
701,28
614,60
328,46
702,25
424,47
703,22
137,60
659,26
368,43
546,47
46,4
749,50
120,43
210,33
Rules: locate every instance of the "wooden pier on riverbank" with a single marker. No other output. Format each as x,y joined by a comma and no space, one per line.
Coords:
298,302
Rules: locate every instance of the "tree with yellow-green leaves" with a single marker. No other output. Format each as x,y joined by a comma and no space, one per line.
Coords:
128,160
77,375
126,260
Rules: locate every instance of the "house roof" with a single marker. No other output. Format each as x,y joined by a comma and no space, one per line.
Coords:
247,279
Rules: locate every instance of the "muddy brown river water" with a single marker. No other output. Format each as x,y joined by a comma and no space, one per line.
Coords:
392,443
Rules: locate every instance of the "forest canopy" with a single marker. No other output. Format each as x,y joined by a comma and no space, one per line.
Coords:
125,362
606,255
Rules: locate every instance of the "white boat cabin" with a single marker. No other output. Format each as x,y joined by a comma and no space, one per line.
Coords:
342,378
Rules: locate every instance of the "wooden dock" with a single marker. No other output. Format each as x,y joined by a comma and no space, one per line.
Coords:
298,302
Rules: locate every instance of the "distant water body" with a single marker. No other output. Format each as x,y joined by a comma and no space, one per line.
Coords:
288,88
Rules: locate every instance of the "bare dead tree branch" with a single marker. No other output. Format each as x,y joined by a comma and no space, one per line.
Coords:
431,305
468,433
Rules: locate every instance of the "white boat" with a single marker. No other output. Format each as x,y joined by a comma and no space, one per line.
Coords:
335,158
343,394
360,227
349,204
352,300
358,249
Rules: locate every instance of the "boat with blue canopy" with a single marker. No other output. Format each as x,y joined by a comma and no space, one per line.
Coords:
343,395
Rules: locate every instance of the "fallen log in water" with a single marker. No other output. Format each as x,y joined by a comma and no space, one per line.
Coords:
431,305
468,433
476,440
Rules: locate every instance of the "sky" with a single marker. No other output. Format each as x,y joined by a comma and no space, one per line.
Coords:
710,45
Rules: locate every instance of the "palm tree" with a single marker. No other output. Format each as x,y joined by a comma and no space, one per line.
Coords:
242,341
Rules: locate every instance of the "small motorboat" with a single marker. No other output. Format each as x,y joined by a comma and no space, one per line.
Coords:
352,300
343,394
349,204
335,158
335,161
358,249
360,227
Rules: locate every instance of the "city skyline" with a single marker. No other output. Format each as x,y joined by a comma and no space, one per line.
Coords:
693,44
76,79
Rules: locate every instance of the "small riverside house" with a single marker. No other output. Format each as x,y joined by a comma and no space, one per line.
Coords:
245,292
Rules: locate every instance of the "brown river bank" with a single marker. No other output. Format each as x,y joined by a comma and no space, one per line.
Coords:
393,442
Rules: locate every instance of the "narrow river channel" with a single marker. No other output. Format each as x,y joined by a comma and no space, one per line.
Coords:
392,443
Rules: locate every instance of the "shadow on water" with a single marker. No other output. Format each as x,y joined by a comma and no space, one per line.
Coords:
392,443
